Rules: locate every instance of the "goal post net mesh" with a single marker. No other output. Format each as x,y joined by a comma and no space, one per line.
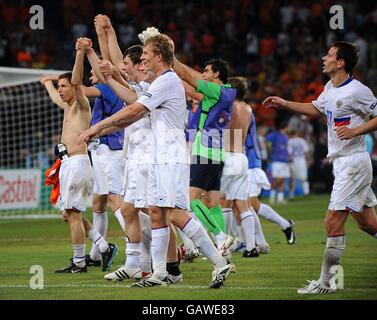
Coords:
30,127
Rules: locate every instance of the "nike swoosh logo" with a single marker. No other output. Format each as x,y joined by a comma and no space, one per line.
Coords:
75,271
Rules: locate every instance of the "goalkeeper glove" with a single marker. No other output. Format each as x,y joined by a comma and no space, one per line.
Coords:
146,34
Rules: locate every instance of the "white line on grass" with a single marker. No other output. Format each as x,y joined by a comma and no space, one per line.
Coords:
21,286
30,216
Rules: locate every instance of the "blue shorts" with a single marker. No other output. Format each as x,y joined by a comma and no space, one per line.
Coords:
204,174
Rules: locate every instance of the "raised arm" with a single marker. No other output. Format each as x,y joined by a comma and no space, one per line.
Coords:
102,24
191,92
186,73
116,55
302,108
47,82
108,69
77,74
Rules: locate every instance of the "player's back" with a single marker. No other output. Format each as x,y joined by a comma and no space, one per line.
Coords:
279,144
297,147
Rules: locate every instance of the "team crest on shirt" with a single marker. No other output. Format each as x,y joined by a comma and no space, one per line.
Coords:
223,117
339,103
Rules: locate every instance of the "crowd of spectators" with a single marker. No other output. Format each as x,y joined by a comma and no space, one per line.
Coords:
277,45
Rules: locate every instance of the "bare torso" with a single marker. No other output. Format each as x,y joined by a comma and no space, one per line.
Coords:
76,120
239,125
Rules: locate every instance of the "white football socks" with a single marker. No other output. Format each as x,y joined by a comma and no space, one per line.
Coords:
248,227
159,249
200,238
268,213
79,255
98,240
305,187
100,223
280,197
119,217
133,254
334,250
228,216
259,235
272,196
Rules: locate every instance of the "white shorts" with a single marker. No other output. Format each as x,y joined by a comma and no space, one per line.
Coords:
168,185
299,169
135,183
257,181
234,178
280,170
353,177
108,168
76,182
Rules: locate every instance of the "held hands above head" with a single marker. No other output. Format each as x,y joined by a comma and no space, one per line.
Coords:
84,43
102,23
274,102
48,77
149,32
107,69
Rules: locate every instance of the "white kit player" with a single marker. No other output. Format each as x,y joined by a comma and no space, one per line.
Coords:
137,152
168,177
348,106
298,152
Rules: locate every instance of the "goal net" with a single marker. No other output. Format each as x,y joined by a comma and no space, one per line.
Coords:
30,126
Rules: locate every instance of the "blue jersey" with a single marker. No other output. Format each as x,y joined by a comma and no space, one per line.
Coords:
279,143
252,146
212,116
104,107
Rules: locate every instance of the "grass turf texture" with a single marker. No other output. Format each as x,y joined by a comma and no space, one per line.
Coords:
276,275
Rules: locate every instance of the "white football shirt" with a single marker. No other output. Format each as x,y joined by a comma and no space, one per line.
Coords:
166,100
138,136
297,147
351,104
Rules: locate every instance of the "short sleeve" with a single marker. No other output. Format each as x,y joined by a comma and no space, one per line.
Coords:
156,94
365,101
270,137
107,94
289,147
319,104
209,89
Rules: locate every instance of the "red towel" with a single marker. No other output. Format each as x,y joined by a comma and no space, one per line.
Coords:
52,177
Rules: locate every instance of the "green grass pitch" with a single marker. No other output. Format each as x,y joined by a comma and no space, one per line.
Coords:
277,275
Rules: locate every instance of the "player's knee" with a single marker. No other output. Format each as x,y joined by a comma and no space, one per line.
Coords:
155,215
74,217
332,226
99,204
114,201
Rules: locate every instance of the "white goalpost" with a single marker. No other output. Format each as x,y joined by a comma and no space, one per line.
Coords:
30,126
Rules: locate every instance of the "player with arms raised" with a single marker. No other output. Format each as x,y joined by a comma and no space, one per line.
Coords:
75,175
